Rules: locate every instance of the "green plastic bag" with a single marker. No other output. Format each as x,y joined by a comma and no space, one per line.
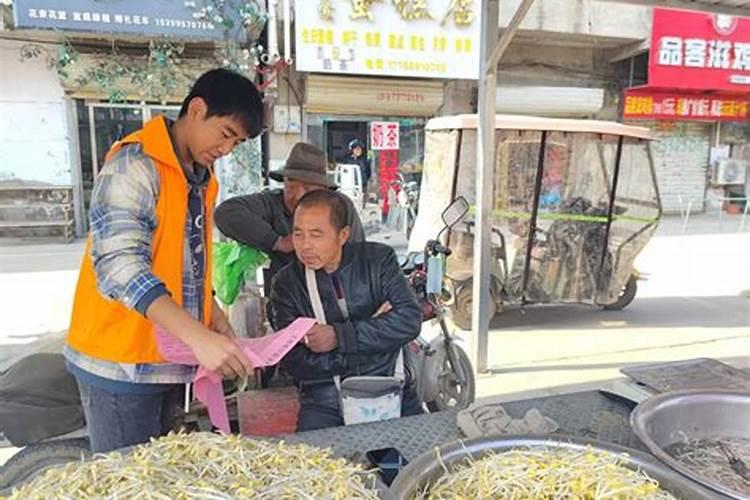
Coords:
233,264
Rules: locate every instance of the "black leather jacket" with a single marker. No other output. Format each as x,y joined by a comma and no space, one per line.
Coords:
369,275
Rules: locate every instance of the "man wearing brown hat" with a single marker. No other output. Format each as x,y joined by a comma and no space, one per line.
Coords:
264,220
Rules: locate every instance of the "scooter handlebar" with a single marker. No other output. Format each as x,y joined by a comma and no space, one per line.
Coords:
434,247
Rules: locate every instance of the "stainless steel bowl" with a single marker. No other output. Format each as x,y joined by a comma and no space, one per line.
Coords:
428,467
702,414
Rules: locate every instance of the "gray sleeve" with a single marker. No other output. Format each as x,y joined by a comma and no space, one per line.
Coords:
247,219
355,223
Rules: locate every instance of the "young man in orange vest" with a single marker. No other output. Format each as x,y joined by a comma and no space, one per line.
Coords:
148,263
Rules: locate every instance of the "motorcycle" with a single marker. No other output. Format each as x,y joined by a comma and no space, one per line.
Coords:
445,377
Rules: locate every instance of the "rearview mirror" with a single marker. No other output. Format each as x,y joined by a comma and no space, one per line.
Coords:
455,211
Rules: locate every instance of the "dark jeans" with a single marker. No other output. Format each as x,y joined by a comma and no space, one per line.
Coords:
117,420
320,406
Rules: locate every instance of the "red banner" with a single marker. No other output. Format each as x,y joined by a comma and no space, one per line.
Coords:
699,51
387,172
650,105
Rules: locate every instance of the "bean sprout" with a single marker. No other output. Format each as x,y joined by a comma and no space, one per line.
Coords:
543,473
208,467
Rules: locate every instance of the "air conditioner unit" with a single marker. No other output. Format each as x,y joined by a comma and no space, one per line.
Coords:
730,171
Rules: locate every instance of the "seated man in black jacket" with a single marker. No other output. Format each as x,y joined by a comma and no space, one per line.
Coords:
371,313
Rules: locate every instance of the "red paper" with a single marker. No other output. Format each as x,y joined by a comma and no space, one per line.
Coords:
263,351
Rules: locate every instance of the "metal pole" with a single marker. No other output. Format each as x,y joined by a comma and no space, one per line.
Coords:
490,54
507,37
485,151
610,214
531,239
76,173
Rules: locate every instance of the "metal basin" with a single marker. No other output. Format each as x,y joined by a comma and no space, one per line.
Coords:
427,467
702,414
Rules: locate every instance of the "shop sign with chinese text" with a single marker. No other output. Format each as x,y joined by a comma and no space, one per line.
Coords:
412,38
384,136
650,105
699,51
176,18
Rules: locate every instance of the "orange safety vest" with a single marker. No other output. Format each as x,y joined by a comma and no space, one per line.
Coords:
106,329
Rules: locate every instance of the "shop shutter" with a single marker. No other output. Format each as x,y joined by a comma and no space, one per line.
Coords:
342,95
549,101
681,160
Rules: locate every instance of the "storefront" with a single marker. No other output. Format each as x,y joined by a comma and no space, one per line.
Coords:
698,101
340,109
377,73
110,69
100,124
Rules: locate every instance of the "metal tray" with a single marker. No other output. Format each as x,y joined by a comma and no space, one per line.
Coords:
428,467
661,420
700,373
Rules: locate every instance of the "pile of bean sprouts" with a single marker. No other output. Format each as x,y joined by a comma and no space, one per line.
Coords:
205,466
544,473
705,458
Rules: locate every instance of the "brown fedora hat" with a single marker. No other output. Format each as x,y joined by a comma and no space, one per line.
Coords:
305,163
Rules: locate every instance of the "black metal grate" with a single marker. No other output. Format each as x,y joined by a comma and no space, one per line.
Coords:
584,414
701,373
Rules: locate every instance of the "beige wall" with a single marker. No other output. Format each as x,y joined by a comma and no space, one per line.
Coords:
280,145
36,140
582,19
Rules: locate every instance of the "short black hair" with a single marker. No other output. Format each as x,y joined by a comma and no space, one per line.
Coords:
228,93
331,199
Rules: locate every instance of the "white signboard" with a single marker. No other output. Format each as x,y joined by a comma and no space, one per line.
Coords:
412,38
384,135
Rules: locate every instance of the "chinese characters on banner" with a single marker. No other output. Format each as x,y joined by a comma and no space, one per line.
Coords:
384,135
141,17
699,51
646,105
425,38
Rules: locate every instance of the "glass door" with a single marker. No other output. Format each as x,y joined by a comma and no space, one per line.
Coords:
102,124
111,123
99,126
